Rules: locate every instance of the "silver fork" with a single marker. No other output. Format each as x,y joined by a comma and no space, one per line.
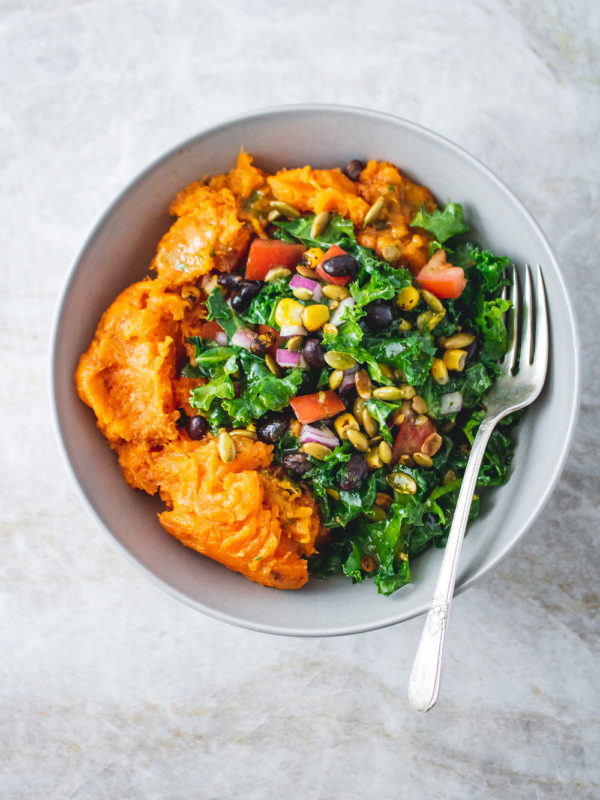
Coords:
523,371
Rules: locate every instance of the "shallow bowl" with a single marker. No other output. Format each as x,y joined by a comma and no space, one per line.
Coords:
119,251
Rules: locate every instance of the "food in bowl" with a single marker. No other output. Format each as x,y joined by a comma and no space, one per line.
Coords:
302,379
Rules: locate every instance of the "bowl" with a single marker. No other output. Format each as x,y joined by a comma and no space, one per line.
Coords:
118,253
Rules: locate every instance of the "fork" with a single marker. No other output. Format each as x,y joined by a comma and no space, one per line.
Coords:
521,378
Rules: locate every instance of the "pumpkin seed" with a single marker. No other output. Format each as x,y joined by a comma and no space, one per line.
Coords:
294,343
338,360
272,365
376,513
431,444
305,271
388,393
285,208
398,417
316,450
243,433
335,292
320,222
363,384
335,378
373,460
457,341
358,440
358,407
374,212
434,303
273,215
382,499
385,452
369,424
422,459
277,272
419,405
226,447
390,252
402,482
301,293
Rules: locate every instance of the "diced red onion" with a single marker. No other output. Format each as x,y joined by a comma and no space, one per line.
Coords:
336,317
292,330
348,379
300,282
451,403
243,338
221,338
286,358
310,433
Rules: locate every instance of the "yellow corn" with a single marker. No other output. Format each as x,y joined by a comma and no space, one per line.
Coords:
312,257
314,317
344,423
335,378
455,359
439,371
288,312
407,298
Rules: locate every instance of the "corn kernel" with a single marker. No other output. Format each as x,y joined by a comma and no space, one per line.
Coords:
407,298
439,372
344,423
288,312
315,316
312,257
455,359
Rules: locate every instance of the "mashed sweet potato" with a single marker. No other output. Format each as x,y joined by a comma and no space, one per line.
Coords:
246,514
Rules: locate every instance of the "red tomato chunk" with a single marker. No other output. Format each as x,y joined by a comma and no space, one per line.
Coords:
265,254
312,407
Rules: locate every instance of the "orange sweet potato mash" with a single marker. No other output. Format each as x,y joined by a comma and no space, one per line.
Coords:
246,514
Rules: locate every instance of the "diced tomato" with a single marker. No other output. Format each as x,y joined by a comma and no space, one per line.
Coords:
410,437
441,278
278,342
312,407
264,254
210,329
334,250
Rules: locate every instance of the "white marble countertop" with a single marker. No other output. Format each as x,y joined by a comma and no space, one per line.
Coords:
109,688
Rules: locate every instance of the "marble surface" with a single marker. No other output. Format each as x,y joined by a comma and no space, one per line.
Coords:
108,687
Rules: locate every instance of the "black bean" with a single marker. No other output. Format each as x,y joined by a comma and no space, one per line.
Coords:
380,314
297,462
197,427
341,266
353,169
229,281
313,353
471,352
354,473
271,427
244,295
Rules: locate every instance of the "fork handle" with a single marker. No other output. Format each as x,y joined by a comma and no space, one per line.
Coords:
424,683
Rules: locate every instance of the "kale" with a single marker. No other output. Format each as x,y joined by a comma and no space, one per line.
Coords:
339,231
220,311
262,308
442,224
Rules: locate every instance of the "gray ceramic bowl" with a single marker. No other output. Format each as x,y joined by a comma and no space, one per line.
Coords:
119,252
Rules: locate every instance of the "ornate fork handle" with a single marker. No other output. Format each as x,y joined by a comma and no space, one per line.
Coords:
424,684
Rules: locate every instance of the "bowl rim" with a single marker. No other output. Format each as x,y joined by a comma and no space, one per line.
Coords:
263,114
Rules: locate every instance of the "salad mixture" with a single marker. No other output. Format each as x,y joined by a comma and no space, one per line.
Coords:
303,379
